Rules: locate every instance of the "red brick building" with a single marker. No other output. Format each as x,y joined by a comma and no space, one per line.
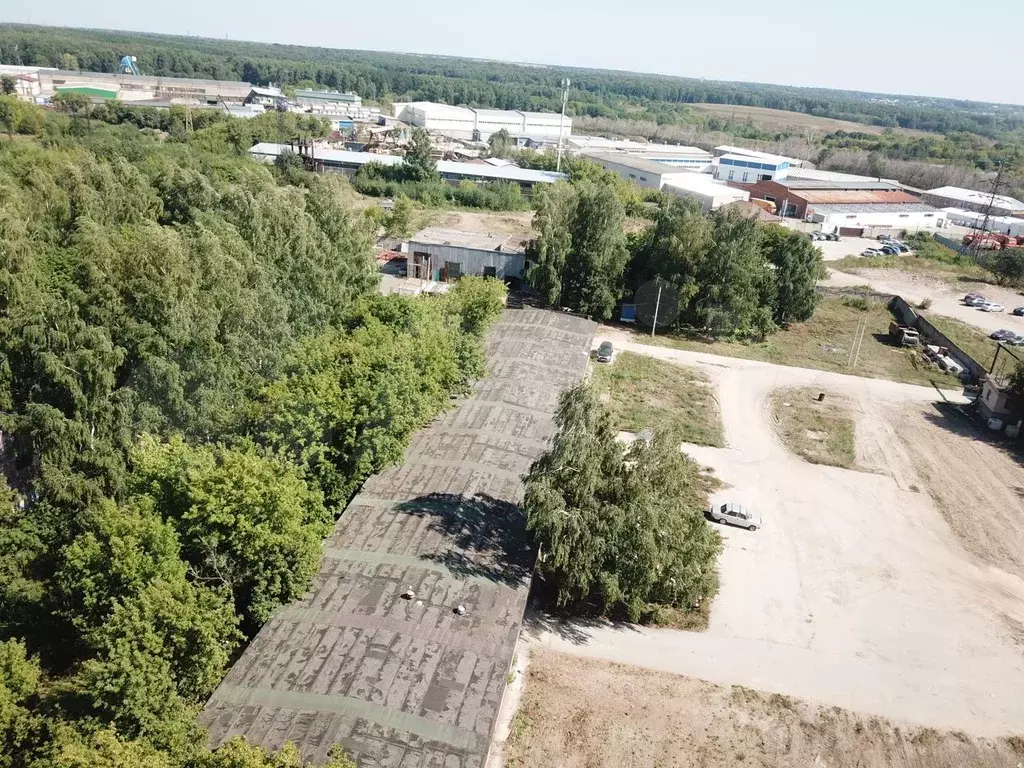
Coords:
797,198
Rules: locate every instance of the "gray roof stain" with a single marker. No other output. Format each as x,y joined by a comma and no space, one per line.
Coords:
410,683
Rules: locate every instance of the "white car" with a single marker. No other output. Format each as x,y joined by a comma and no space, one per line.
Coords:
735,514
991,306
975,300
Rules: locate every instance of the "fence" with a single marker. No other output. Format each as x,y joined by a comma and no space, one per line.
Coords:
906,314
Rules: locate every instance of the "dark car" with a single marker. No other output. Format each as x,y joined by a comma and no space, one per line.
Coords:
605,352
1019,311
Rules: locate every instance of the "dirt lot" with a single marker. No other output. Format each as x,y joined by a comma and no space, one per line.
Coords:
775,119
581,712
855,592
847,335
946,295
818,431
484,222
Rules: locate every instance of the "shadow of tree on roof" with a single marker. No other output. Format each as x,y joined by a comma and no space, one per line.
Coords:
487,536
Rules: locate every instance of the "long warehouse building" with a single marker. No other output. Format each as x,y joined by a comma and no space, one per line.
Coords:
342,161
479,124
377,656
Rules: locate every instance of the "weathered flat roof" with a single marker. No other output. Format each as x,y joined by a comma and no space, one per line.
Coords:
484,241
634,161
409,683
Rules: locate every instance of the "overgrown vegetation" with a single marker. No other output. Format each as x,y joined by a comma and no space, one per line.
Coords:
818,432
645,393
733,275
196,371
620,532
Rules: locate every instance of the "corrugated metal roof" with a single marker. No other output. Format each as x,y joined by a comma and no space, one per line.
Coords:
862,196
344,158
409,683
977,198
801,184
875,208
634,161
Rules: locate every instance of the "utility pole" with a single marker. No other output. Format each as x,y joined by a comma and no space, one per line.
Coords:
561,122
997,187
657,306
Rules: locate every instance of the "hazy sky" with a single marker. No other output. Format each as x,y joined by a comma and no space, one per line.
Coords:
928,47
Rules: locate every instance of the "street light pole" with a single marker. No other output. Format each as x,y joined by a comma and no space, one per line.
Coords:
561,122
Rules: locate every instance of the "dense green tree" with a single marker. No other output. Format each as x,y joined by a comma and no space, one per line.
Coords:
247,522
546,254
1006,264
596,261
19,681
500,144
619,532
398,222
798,267
419,162
477,302
8,86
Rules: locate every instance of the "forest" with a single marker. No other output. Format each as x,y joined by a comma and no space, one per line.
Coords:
196,372
385,77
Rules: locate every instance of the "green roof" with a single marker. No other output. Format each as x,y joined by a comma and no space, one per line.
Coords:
88,90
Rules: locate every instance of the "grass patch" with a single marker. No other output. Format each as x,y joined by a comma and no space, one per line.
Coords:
929,258
825,341
821,433
644,393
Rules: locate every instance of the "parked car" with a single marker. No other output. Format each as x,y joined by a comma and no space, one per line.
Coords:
871,252
605,352
1016,340
1018,311
890,250
991,306
817,236
833,236
1001,334
904,248
975,300
736,514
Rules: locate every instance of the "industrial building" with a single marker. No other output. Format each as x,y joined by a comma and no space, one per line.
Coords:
1003,225
849,206
972,200
746,169
329,100
445,255
341,161
39,83
711,194
688,158
400,651
479,124
646,173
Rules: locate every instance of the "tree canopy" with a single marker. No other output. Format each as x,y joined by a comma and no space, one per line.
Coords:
196,372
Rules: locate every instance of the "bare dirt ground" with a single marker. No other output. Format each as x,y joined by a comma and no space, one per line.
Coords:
582,712
856,592
487,222
946,295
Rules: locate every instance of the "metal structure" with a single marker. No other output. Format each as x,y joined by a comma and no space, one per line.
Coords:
129,66
561,123
401,649
657,304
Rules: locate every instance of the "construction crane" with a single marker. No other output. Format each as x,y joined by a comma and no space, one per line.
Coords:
129,66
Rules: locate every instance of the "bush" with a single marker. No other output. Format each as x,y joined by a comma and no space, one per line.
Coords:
925,303
857,302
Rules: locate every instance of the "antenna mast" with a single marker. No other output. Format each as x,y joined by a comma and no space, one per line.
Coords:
561,122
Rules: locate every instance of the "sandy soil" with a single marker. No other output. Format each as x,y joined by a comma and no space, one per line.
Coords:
855,592
581,712
484,222
947,296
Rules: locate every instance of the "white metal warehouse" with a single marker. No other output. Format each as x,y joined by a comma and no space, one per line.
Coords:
479,124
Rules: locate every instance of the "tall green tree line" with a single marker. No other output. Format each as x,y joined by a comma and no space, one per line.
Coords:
196,371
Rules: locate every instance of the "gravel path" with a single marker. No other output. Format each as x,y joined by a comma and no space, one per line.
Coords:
855,592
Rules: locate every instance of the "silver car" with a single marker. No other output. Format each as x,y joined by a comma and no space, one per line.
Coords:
736,514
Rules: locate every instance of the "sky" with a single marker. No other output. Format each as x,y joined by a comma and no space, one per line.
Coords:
917,47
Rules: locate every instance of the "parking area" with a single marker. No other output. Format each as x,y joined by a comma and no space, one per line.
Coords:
848,246
856,591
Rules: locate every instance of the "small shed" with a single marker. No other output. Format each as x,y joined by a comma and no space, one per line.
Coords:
448,254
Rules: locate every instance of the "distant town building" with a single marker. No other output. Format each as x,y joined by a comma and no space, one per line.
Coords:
647,173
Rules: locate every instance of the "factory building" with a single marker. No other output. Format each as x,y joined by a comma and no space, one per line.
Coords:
328,100
445,255
849,206
646,173
755,154
479,124
710,193
745,169
972,200
45,82
341,161
1003,225
688,158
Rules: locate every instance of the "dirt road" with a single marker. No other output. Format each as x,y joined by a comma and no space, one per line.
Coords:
855,592
946,297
